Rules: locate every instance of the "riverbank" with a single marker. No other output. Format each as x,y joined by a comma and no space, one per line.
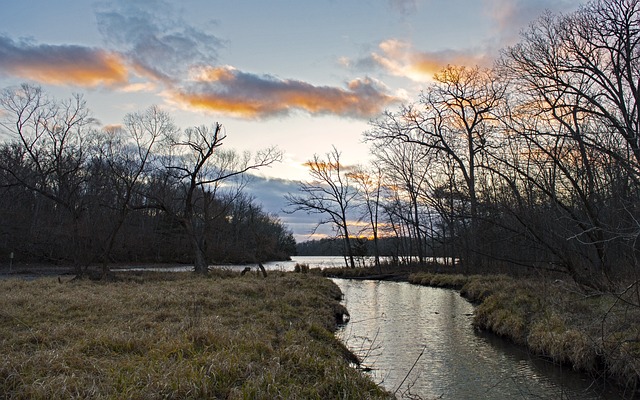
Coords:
595,333
154,335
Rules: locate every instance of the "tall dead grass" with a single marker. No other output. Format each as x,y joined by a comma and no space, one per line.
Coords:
175,337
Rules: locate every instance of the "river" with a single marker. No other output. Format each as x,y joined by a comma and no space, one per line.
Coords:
418,342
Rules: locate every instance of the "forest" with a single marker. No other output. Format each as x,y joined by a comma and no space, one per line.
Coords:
144,191
533,164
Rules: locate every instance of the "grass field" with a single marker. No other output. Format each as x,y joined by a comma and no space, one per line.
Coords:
149,336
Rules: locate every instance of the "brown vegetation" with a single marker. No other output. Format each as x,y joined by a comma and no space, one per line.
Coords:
176,336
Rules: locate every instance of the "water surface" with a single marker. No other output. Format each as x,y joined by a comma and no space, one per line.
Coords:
419,340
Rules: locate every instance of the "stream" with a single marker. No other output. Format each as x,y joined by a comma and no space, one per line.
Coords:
418,342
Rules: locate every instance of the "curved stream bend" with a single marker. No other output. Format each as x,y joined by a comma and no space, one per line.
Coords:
419,340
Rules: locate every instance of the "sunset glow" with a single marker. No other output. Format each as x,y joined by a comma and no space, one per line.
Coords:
62,65
247,95
272,74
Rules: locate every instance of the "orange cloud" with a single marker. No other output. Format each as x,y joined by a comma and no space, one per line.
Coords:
225,89
209,101
400,59
62,64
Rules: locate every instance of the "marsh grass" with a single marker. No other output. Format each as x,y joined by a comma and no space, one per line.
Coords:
152,336
599,334
452,281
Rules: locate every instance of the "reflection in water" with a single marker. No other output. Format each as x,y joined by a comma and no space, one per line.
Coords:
419,341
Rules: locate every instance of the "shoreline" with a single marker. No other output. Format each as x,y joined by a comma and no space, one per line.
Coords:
550,318
596,334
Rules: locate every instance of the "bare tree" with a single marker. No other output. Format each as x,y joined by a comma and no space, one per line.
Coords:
575,106
454,118
196,168
407,167
586,62
330,193
49,146
125,155
370,188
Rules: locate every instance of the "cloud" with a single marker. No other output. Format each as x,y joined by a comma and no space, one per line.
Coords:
512,16
270,192
61,64
162,47
228,90
509,17
404,6
150,47
159,43
399,58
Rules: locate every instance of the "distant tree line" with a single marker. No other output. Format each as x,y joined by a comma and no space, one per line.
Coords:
534,163
144,191
392,248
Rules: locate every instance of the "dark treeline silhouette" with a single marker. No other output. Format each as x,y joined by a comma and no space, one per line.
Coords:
144,191
395,250
533,164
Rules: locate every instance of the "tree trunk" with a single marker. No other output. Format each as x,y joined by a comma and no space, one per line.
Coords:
347,244
262,269
200,259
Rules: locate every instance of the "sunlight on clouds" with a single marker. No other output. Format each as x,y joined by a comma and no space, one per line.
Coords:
213,102
59,65
511,16
139,87
156,38
502,11
228,90
345,62
212,74
400,59
112,127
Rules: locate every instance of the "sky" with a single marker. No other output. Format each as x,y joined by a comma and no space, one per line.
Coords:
300,75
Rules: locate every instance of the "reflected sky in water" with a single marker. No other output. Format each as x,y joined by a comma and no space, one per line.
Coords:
419,341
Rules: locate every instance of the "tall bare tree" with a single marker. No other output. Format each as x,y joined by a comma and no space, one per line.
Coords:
330,193
454,118
126,155
196,168
49,145
407,167
370,187
575,104
586,62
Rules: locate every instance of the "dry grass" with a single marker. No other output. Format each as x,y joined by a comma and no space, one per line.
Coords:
178,336
599,334
453,281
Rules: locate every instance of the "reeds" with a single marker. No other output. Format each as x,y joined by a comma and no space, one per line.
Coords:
176,337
